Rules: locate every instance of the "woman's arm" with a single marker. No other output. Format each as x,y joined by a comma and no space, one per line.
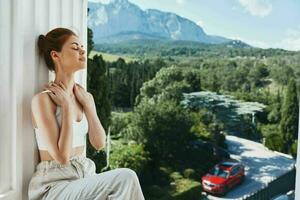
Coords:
96,131
58,141
65,141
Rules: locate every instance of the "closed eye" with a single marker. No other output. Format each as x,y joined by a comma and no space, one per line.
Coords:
77,45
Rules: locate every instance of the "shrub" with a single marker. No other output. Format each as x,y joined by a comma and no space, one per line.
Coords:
131,156
189,173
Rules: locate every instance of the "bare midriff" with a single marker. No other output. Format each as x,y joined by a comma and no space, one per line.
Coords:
44,155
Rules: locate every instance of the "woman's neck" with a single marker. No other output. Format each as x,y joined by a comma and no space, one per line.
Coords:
67,80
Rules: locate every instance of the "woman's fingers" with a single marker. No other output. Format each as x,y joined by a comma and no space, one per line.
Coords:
51,90
58,87
55,89
51,94
79,85
62,86
53,97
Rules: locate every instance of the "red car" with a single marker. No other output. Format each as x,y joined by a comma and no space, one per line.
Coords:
223,177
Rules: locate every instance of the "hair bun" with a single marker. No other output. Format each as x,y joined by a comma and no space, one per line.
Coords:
41,43
52,41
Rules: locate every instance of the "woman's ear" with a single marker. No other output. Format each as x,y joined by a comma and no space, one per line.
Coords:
54,55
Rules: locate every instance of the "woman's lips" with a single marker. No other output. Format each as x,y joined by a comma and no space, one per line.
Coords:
82,59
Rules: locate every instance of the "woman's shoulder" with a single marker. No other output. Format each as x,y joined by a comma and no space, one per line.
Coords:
43,98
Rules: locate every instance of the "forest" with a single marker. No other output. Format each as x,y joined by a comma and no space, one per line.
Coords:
170,94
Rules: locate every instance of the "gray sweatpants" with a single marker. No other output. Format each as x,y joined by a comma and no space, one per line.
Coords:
79,180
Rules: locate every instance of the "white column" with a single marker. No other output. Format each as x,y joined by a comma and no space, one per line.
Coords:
23,74
10,101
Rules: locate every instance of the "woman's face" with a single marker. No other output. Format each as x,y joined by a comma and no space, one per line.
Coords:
72,56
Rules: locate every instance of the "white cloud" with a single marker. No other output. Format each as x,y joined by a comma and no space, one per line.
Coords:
200,23
234,8
291,44
258,43
180,2
291,41
293,32
260,8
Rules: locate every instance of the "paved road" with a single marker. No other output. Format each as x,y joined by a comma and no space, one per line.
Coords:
261,166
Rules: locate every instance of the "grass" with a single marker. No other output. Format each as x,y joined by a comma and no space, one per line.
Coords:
111,57
179,188
182,189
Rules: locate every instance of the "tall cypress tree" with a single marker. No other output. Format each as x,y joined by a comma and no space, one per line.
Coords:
90,41
97,85
289,116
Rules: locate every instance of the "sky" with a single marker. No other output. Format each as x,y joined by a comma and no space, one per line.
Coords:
261,23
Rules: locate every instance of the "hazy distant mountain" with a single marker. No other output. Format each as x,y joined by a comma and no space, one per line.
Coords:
120,20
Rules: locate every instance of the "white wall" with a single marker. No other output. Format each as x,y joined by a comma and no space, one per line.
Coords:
23,74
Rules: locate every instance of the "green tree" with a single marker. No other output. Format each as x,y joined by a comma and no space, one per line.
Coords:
289,116
165,127
97,85
90,41
131,155
275,114
170,84
282,74
126,79
275,142
257,73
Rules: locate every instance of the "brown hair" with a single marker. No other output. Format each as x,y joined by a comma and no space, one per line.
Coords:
53,40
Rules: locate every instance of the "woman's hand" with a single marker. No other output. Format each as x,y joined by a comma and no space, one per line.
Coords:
84,97
59,94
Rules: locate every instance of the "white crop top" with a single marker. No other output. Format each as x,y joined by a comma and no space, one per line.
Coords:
80,130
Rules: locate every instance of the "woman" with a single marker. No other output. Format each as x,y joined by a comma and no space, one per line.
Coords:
62,116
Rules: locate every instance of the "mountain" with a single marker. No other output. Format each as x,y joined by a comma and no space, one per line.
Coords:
114,21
